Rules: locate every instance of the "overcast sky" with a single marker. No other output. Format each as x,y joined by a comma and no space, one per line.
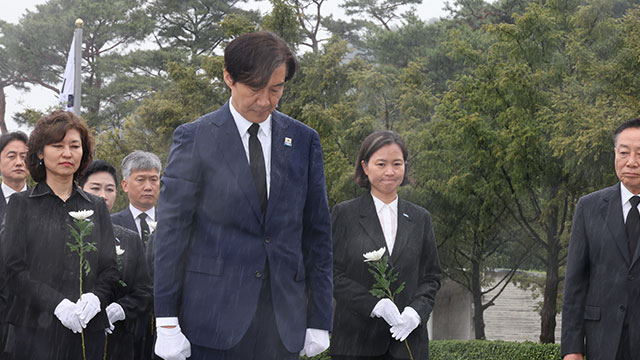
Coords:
40,98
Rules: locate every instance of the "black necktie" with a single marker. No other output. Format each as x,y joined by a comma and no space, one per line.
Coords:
256,162
144,228
632,225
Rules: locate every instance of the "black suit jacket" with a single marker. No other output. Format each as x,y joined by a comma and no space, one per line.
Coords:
357,230
40,269
125,219
136,295
602,281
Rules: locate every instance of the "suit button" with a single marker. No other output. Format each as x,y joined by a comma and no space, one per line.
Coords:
622,308
258,274
630,278
267,240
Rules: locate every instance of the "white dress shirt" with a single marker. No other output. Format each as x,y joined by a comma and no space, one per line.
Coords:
264,135
7,191
625,196
151,216
388,217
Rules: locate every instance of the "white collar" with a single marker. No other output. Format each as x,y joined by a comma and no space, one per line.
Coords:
243,124
151,213
380,204
7,191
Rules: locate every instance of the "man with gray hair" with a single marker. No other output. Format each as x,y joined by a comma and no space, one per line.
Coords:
141,181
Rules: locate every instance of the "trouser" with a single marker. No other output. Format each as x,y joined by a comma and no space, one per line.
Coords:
260,342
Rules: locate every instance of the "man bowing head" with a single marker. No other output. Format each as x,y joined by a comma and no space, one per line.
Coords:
243,253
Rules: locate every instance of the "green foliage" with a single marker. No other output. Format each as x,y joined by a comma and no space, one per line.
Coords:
384,278
81,230
491,350
283,21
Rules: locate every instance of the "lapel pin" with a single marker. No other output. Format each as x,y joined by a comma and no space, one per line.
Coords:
287,142
405,215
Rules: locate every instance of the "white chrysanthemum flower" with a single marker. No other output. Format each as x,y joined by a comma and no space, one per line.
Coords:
374,255
119,250
81,215
152,225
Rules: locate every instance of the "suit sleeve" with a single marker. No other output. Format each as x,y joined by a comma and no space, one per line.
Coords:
107,270
14,251
176,209
140,295
347,290
424,297
316,243
576,283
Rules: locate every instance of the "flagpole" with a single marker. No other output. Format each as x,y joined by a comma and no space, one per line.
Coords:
77,80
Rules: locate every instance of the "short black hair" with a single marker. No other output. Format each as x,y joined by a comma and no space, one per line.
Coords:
97,166
9,137
635,123
370,145
250,59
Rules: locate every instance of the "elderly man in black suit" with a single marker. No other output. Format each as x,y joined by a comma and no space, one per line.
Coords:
13,151
602,282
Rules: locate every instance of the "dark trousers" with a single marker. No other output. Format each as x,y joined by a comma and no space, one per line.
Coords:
56,343
624,347
260,342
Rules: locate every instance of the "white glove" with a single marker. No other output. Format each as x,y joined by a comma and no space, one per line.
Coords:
66,312
411,321
115,312
88,307
315,342
387,310
172,344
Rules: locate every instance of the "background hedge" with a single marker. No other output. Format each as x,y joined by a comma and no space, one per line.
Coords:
491,350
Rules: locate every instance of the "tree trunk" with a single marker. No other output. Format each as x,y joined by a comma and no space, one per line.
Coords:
3,109
548,312
478,309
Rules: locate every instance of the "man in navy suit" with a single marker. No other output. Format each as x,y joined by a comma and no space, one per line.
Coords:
13,151
601,307
243,255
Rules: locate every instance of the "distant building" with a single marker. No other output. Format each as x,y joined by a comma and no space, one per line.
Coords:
512,318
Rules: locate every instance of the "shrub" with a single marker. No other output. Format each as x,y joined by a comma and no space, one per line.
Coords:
491,350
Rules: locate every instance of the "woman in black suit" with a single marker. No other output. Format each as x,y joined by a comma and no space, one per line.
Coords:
131,307
366,327
42,273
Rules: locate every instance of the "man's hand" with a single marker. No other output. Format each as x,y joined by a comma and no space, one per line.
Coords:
315,342
66,312
411,320
573,357
387,310
172,344
88,307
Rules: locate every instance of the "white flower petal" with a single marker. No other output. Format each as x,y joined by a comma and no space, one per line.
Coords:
374,255
81,215
152,225
119,250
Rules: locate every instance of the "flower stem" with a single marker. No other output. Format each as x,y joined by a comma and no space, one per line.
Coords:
106,338
406,343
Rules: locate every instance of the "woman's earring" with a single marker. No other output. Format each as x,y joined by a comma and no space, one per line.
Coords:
40,163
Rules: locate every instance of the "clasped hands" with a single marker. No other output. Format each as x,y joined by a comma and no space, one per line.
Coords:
401,324
76,316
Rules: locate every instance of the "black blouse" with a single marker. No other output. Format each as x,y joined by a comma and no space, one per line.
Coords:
40,268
